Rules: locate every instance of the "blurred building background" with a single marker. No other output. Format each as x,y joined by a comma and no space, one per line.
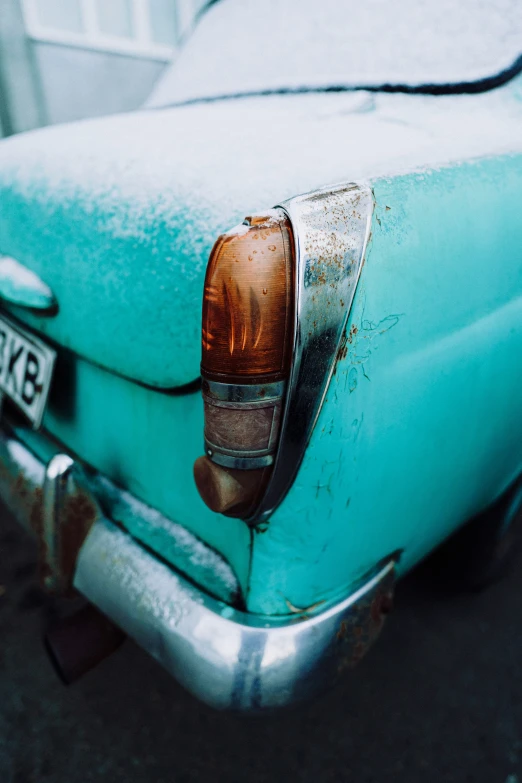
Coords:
63,60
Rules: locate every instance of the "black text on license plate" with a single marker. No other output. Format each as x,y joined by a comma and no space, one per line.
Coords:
26,366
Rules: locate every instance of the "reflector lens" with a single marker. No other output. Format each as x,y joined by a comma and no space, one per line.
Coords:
247,309
247,344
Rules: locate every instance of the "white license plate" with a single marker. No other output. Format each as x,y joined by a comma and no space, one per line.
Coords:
26,368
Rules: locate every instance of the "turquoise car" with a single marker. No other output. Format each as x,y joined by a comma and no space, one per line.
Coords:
232,441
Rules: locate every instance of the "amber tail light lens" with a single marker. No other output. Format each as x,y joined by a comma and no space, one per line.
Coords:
248,315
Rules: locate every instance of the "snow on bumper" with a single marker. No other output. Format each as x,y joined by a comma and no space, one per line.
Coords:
228,658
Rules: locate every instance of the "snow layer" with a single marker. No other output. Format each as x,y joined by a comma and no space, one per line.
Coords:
172,541
19,284
248,46
147,194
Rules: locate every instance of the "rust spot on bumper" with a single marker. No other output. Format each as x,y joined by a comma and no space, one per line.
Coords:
75,520
22,486
360,631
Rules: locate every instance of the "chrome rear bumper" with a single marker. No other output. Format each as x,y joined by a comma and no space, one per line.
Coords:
228,658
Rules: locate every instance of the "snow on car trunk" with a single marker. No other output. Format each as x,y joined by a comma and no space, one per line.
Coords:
117,216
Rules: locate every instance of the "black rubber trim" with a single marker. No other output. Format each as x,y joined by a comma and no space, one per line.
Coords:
451,88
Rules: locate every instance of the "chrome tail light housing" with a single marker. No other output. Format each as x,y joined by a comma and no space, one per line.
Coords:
278,292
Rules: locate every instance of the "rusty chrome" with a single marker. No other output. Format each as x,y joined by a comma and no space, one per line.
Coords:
22,479
68,512
331,229
58,483
226,657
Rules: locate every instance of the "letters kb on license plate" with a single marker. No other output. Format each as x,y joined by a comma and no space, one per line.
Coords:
26,366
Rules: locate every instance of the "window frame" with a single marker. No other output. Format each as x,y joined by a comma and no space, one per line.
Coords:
93,38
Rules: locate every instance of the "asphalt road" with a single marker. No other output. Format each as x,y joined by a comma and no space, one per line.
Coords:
438,699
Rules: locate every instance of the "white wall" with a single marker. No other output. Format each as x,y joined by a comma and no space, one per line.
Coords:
78,83
20,100
63,60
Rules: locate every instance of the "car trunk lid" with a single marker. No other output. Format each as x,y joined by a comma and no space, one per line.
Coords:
117,216
122,252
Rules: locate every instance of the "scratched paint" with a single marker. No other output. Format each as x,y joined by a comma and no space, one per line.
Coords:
422,423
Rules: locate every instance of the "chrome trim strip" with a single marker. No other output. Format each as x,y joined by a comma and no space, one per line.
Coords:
230,392
237,452
239,460
331,228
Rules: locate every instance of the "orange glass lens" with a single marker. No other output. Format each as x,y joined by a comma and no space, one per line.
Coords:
247,307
